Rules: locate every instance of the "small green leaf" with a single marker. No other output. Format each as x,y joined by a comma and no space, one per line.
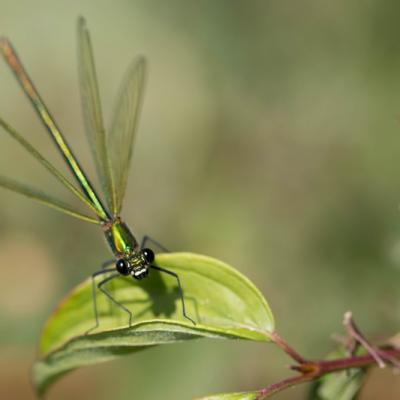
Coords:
232,396
338,386
223,303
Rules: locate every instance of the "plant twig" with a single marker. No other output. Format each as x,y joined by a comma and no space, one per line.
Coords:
311,370
287,348
284,384
314,369
355,333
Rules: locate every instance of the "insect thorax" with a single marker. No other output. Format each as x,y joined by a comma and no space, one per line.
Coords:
120,238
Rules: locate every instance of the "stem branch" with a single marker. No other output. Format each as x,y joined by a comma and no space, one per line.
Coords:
314,369
289,350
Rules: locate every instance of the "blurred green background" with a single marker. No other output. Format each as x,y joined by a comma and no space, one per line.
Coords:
270,138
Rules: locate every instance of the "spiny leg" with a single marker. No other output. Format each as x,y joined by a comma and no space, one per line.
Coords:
104,265
147,238
94,298
108,294
175,275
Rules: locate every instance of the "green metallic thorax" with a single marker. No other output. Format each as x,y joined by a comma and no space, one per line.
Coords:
120,238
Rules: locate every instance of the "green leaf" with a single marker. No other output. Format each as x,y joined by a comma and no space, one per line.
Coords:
232,396
338,386
223,302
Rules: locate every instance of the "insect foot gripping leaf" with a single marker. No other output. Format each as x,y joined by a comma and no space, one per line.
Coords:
223,303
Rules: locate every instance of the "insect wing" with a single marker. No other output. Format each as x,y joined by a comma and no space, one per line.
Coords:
92,113
43,198
123,126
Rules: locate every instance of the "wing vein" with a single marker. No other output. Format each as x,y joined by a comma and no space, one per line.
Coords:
92,113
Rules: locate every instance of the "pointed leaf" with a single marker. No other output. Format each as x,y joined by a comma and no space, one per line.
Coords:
223,302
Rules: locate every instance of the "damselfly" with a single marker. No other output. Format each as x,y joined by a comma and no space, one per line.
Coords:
112,155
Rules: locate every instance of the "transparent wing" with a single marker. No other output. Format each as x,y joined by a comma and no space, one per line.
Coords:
13,61
44,199
123,127
92,113
50,167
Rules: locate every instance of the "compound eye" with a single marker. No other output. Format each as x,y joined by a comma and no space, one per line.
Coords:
148,255
122,266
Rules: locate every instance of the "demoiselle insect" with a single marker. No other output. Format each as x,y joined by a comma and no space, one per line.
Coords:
112,153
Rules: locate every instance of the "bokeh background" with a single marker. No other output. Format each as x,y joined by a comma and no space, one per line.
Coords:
270,138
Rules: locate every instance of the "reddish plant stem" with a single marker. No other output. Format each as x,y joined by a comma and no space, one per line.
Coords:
356,361
289,350
284,384
356,337
313,369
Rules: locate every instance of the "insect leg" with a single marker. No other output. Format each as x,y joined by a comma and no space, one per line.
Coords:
147,239
175,275
104,265
108,294
96,316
